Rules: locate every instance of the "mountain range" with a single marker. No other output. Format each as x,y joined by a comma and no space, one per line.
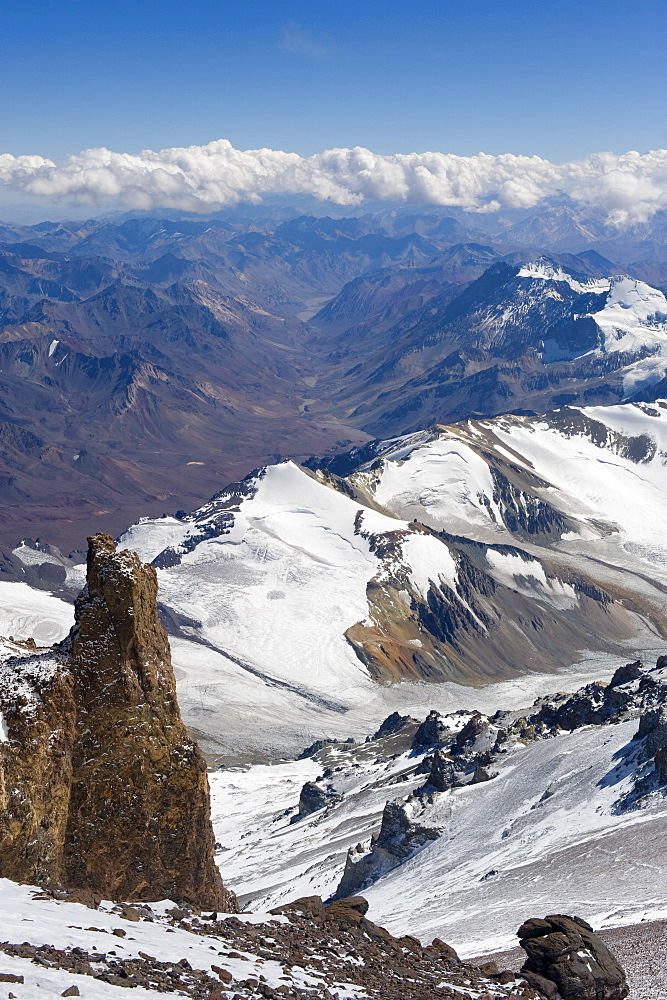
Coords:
468,554
393,486
143,361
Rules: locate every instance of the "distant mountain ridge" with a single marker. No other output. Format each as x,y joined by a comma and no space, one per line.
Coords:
519,337
142,362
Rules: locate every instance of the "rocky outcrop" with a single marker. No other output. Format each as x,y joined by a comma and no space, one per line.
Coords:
652,755
633,690
102,787
476,725
431,732
313,798
400,836
653,730
626,674
566,958
443,774
392,724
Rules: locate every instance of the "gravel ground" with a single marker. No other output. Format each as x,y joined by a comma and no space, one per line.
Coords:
640,948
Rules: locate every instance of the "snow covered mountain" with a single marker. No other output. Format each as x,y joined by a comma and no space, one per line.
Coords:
481,552
524,336
144,363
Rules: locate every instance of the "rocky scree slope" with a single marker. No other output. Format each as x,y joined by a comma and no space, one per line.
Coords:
470,755
101,787
300,950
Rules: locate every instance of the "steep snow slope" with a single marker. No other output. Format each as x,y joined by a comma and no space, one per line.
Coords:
603,469
554,825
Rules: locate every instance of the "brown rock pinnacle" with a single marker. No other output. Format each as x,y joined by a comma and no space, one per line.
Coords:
128,815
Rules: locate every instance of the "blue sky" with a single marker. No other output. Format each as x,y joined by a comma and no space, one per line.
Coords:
560,79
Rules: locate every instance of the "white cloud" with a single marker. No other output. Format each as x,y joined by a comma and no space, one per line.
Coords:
296,39
626,188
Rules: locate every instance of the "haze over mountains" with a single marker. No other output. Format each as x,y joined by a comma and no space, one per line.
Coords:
144,362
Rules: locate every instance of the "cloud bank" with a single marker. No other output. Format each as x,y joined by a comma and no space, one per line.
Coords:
625,188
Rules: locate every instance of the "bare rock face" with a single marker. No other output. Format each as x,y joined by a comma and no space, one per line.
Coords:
566,958
38,722
122,806
474,727
443,773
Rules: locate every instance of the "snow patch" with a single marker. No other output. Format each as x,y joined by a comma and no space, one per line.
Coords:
527,576
545,270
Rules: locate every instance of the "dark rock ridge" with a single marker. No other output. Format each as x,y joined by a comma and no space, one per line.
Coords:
468,747
101,787
566,958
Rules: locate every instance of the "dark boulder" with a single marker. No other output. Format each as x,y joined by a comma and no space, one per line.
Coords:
341,908
545,987
481,774
571,959
444,951
313,797
307,905
474,727
442,774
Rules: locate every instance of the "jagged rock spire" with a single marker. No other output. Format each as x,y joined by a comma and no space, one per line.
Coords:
129,799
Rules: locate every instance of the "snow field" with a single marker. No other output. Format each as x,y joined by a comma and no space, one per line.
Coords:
27,613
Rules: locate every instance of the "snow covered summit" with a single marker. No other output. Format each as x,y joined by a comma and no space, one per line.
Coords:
467,554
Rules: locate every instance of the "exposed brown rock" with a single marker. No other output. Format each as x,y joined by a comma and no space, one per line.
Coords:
38,704
103,789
